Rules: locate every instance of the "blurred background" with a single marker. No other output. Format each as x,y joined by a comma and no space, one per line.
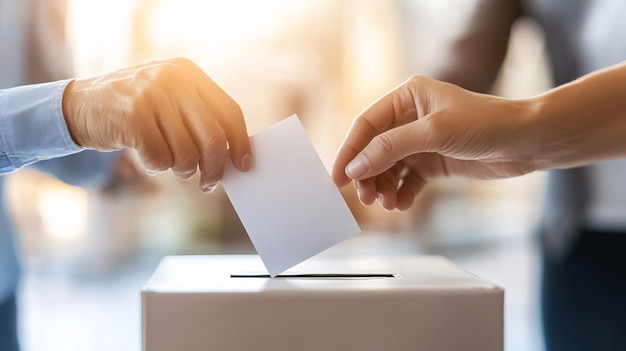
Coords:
87,252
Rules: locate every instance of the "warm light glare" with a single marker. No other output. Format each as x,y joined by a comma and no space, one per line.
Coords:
188,19
99,32
218,29
63,211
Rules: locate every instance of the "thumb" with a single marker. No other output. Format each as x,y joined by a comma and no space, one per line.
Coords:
387,148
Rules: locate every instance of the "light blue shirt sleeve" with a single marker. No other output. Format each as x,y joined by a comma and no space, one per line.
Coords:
32,126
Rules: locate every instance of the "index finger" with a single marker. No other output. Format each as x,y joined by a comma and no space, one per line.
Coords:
225,111
395,108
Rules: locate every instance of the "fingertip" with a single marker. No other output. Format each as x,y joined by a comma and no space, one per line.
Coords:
240,153
211,165
404,201
340,179
185,176
209,181
208,188
357,167
245,163
366,202
387,202
338,173
404,206
366,191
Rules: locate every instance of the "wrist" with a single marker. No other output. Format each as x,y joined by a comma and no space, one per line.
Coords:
543,131
556,129
69,107
521,133
583,121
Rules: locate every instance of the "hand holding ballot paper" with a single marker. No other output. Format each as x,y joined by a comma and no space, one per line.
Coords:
422,130
425,129
287,202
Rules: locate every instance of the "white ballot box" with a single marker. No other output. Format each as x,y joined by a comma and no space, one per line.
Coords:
199,303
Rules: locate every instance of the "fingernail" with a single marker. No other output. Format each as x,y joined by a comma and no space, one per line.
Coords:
152,172
357,167
185,176
208,188
379,196
246,162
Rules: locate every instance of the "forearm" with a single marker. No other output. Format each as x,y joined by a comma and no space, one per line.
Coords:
581,122
32,126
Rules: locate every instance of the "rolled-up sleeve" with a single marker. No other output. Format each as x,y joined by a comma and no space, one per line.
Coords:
32,126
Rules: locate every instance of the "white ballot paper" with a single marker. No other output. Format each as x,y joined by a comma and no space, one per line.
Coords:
287,202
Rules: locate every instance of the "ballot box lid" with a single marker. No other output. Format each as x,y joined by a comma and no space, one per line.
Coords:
376,273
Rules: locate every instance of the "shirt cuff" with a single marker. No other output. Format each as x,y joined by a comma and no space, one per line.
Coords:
32,126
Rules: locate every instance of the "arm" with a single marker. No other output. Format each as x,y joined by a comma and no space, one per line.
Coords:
32,126
49,59
425,129
474,55
169,111
32,129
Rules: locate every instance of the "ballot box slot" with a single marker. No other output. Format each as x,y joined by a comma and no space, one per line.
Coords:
320,276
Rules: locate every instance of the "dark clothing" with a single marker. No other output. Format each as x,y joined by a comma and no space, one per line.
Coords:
8,325
584,295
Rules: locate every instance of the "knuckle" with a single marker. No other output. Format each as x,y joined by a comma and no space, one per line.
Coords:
232,115
383,144
159,73
181,61
187,164
235,108
157,163
154,155
362,126
166,71
418,79
214,143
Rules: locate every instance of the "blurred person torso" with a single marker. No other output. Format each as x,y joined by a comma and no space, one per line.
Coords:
33,49
33,45
12,43
583,36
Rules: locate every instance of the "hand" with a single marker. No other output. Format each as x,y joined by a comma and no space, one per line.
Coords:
169,111
426,129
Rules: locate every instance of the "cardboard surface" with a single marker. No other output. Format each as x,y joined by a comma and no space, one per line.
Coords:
193,303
